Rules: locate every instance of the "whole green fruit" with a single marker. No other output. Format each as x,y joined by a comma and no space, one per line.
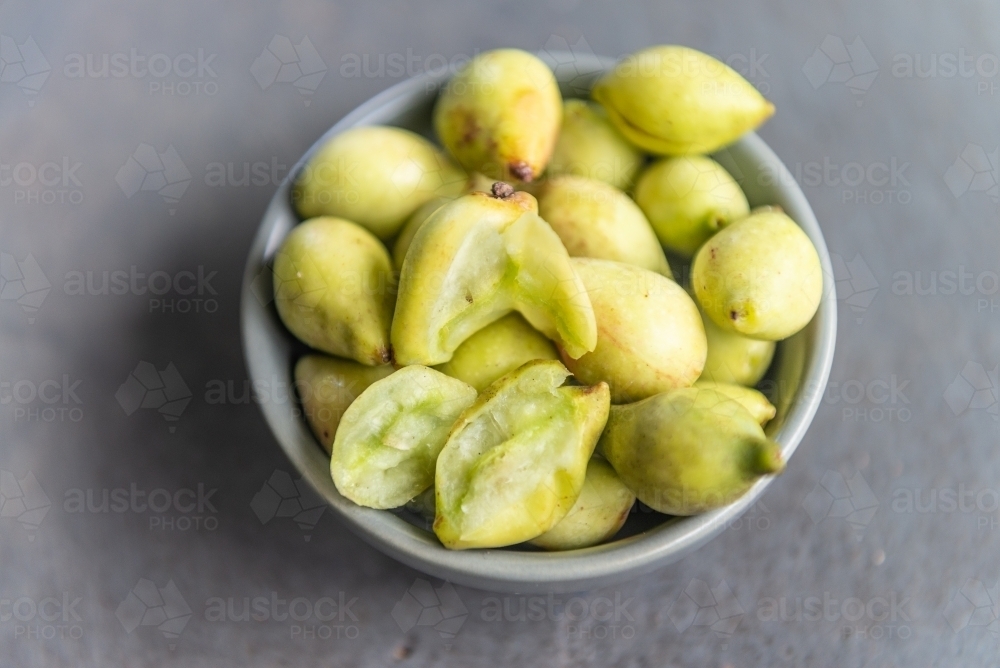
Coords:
672,100
598,514
650,337
688,451
375,176
589,145
734,358
327,386
334,289
594,219
760,277
500,115
496,350
688,199
755,402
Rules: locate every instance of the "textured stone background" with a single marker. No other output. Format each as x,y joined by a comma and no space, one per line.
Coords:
834,541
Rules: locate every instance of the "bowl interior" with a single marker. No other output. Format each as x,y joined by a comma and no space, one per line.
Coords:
649,540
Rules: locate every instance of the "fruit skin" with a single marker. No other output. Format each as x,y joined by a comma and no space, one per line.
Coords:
598,514
688,451
760,277
589,145
418,328
327,386
477,259
414,223
516,460
756,403
594,219
650,336
475,183
388,441
496,350
334,289
375,176
500,115
733,358
672,100
688,199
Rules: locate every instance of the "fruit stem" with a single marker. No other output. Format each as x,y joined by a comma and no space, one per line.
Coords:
502,190
767,458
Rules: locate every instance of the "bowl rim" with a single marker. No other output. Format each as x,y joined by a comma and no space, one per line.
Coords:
514,571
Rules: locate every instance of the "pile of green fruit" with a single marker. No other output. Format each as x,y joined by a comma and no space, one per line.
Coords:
522,367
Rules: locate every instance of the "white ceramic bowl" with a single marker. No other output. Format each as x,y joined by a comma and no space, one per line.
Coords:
800,369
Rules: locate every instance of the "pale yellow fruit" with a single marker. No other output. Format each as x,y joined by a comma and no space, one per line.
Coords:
496,350
756,403
650,336
500,115
734,358
589,145
598,514
594,219
413,224
672,100
334,289
516,460
687,200
327,386
375,176
688,451
760,277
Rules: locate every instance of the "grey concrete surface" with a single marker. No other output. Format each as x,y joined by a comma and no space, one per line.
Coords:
877,547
